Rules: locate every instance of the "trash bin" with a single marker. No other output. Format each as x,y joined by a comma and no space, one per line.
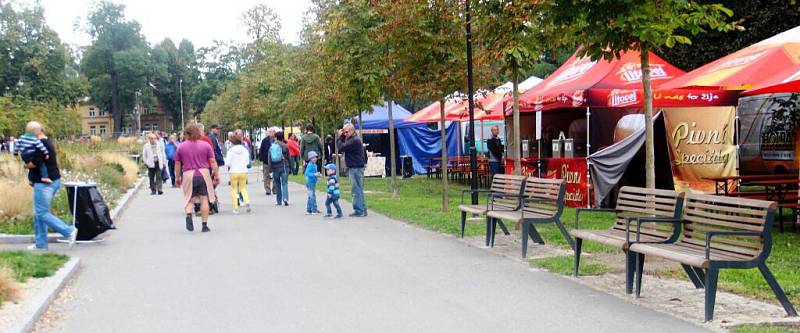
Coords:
90,213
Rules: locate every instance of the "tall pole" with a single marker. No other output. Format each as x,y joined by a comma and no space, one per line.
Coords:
473,158
183,123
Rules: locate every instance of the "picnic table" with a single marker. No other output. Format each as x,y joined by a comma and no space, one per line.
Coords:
722,186
779,190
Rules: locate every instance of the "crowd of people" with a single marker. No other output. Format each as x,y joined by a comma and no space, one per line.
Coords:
191,160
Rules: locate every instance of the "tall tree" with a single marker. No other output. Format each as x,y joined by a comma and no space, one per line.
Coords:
607,28
116,63
33,58
428,61
510,33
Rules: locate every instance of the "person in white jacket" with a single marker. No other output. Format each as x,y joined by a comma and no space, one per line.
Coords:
238,161
155,158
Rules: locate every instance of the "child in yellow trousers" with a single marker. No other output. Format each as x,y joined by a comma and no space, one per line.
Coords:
238,161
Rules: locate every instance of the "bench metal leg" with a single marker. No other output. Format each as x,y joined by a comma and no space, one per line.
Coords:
503,226
712,274
639,273
525,228
535,236
630,269
776,288
494,230
564,232
696,278
488,230
578,243
463,222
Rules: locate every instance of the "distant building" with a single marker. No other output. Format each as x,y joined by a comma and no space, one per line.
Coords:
95,121
153,119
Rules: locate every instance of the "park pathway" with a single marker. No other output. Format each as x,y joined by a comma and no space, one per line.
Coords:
277,270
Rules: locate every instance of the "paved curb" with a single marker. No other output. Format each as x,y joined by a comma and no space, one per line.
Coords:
122,203
39,303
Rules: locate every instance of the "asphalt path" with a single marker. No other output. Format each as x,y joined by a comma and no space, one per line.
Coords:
278,270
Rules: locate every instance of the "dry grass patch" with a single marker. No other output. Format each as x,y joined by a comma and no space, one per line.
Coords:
9,287
15,193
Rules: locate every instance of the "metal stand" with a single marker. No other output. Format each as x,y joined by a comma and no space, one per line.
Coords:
76,186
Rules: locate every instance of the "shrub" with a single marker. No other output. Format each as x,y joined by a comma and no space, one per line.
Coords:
110,176
9,287
129,169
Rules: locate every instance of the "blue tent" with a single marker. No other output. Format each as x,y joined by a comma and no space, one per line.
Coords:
413,139
379,118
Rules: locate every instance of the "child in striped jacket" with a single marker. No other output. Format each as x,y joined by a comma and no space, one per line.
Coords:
27,145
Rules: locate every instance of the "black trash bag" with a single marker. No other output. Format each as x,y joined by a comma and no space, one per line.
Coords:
92,216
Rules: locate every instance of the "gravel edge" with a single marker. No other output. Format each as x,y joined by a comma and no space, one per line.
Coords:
38,304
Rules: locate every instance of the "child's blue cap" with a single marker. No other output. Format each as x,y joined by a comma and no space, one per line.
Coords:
330,166
312,154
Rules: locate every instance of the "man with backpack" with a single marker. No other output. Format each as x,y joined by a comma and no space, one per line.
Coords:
263,156
278,156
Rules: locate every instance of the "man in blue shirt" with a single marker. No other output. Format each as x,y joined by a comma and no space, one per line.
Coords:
170,150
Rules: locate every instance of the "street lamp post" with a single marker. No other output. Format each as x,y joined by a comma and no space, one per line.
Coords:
183,123
473,158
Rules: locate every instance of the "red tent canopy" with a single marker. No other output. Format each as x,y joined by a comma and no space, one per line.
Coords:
431,112
771,65
575,84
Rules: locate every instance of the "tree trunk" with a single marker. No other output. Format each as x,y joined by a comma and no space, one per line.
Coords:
649,166
115,108
360,127
443,166
517,142
393,162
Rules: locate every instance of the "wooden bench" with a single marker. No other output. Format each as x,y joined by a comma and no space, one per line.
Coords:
504,194
633,203
542,202
718,232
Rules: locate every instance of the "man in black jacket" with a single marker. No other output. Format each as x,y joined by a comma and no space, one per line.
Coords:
355,159
495,147
263,156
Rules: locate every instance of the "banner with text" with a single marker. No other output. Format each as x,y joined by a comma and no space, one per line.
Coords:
700,146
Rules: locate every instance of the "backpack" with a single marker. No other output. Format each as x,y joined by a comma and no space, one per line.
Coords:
276,153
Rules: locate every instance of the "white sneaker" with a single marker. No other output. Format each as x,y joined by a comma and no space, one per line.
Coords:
33,247
236,211
309,213
72,238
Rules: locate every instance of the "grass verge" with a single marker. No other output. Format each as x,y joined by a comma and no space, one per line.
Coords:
27,265
765,329
565,265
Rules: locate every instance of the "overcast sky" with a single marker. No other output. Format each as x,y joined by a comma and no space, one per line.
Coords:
200,21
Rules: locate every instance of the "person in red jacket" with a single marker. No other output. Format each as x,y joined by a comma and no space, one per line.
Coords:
294,154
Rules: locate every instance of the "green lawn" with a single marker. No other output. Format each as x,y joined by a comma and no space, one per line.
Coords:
420,202
764,329
27,265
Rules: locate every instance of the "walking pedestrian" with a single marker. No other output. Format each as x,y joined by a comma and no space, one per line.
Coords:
238,162
294,153
12,145
329,149
170,150
279,166
193,159
333,192
263,156
214,136
355,159
495,151
308,142
156,160
228,143
43,194
311,174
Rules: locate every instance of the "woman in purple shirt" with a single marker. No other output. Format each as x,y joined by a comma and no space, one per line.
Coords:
192,160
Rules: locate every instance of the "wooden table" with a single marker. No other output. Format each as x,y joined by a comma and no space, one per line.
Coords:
721,183
781,188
